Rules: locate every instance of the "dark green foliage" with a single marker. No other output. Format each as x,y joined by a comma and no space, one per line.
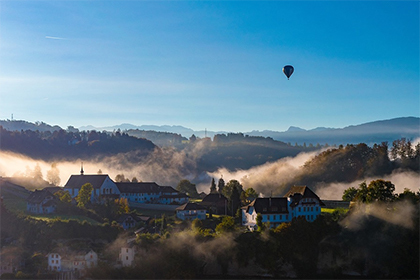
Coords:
378,190
349,194
213,186
72,145
187,187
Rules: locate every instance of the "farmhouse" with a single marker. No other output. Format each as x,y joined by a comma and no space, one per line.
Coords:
191,211
127,253
41,201
297,202
215,203
142,192
66,261
102,185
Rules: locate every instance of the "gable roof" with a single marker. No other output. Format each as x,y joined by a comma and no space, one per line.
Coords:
77,181
126,216
214,198
190,206
269,205
53,190
299,192
141,187
38,196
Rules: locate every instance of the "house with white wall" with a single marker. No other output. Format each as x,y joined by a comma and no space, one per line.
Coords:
41,202
297,202
69,261
150,192
103,186
127,253
191,211
303,202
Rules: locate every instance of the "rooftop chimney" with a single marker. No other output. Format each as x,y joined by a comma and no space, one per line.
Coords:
81,170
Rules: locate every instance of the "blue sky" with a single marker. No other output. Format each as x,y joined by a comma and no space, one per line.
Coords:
209,64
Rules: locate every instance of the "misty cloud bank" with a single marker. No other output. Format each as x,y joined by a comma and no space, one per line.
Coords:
167,166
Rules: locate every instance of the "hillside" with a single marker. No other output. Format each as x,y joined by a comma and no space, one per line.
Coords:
70,145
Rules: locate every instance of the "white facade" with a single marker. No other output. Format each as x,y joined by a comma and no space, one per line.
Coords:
307,207
141,197
191,214
108,187
58,262
298,202
54,262
126,256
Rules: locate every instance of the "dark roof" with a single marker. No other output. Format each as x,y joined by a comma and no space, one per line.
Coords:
299,192
142,187
53,190
214,198
169,189
269,205
50,203
38,196
77,181
190,206
303,190
121,219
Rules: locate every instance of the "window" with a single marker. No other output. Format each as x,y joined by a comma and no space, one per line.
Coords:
126,250
126,257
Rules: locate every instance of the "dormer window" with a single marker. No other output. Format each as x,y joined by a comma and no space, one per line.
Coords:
264,209
274,208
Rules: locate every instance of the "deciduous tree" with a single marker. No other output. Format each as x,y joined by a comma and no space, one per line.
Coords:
84,195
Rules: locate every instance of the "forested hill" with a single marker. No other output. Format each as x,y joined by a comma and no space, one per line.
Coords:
71,145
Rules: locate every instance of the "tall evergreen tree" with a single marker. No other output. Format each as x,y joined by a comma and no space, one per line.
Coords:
213,186
221,185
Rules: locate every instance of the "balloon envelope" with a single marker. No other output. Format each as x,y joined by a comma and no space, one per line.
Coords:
288,70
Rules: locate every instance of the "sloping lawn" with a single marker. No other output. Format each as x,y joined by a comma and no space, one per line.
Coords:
64,217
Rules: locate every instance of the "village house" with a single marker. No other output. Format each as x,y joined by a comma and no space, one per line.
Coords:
127,254
41,202
67,261
297,202
140,192
171,196
150,192
215,203
191,211
130,220
103,186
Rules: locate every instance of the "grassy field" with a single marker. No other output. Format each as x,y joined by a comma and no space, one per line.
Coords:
15,204
331,210
153,213
18,205
63,217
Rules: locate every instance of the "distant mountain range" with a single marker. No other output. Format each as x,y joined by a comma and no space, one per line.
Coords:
369,133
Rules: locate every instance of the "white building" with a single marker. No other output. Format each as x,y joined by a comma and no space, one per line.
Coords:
150,192
102,185
66,261
41,201
297,202
191,211
54,262
127,254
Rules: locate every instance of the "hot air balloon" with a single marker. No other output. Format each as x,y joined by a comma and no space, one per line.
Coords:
288,70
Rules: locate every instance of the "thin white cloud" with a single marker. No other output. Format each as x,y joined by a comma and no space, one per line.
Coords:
55,38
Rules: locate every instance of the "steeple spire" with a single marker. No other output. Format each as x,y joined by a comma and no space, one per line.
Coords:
81,170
